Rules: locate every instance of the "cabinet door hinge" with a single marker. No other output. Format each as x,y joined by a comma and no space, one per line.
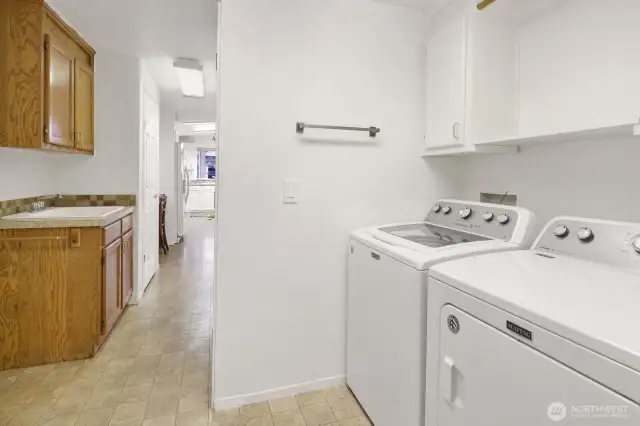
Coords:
102,261
46,43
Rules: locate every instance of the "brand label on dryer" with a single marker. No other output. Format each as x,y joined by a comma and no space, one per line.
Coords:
523,332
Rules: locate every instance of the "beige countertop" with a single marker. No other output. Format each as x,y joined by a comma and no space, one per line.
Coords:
66,217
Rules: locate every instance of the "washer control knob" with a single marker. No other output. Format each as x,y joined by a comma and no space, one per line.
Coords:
488,216
585,235
437,208
635,243
561,231
503,219
465,213
446,210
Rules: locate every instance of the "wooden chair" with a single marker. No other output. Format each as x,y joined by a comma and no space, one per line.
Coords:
164,244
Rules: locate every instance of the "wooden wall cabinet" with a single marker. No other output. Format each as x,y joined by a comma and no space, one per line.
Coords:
46,81
61,291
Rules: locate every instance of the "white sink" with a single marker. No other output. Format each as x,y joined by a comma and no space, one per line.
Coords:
63,213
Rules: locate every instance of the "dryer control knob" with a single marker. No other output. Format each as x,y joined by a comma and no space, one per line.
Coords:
503,219
437,208
446,210
488,216
561,231
465,213
635,243
585,235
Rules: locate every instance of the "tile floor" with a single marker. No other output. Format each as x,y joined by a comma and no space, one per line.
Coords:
154,368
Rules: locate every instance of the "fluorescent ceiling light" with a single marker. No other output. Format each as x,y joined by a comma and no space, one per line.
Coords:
201,126
191,77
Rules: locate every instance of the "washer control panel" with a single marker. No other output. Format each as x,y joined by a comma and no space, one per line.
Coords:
490,220
612,243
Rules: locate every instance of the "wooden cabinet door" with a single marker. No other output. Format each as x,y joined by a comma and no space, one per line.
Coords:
83,106
446,84
58,92
111,284
127,268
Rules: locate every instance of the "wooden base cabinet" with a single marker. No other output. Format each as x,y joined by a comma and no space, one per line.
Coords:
127,268
46,81
111,285
61,291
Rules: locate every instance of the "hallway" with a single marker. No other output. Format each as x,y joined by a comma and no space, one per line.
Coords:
154,368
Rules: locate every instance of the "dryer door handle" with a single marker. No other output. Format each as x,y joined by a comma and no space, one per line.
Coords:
447,384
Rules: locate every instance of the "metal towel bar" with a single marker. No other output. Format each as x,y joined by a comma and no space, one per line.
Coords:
33,239
373,131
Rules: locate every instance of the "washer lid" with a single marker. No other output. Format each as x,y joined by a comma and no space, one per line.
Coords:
593,305
431,235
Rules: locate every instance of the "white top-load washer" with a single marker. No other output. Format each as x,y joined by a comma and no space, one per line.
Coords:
386,319
539,337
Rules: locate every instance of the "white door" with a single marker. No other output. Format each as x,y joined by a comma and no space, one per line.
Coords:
151,184
446,84
182,189
489,378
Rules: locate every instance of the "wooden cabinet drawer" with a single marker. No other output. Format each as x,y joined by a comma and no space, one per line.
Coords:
127,224
112,232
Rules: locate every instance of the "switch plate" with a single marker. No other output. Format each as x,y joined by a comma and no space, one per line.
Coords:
290,192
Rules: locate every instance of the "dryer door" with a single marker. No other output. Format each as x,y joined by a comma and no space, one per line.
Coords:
489,378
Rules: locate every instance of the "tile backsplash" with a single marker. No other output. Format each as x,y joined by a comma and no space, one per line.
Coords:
10,207
96,200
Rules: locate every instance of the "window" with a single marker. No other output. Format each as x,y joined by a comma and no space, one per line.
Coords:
206,163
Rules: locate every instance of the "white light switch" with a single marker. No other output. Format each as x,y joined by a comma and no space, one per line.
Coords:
290,192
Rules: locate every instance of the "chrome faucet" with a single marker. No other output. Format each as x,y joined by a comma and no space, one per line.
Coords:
40,204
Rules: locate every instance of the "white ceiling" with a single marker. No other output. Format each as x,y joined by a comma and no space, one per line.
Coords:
157,31
428,5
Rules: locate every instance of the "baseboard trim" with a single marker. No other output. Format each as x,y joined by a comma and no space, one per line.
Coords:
240,400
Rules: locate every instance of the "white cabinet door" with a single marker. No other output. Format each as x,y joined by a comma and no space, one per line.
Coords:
446,84
489,378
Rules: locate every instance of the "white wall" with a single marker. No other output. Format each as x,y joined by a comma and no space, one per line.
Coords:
281,274
191,159
114,168
26,173
592,179
168,166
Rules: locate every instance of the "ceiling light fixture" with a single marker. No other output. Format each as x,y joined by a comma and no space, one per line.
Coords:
200,126
191,77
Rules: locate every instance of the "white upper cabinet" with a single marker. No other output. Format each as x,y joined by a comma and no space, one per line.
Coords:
470,80
578,67
522,72
446,81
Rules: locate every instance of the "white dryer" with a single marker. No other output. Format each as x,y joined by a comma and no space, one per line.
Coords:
386,319
539,337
